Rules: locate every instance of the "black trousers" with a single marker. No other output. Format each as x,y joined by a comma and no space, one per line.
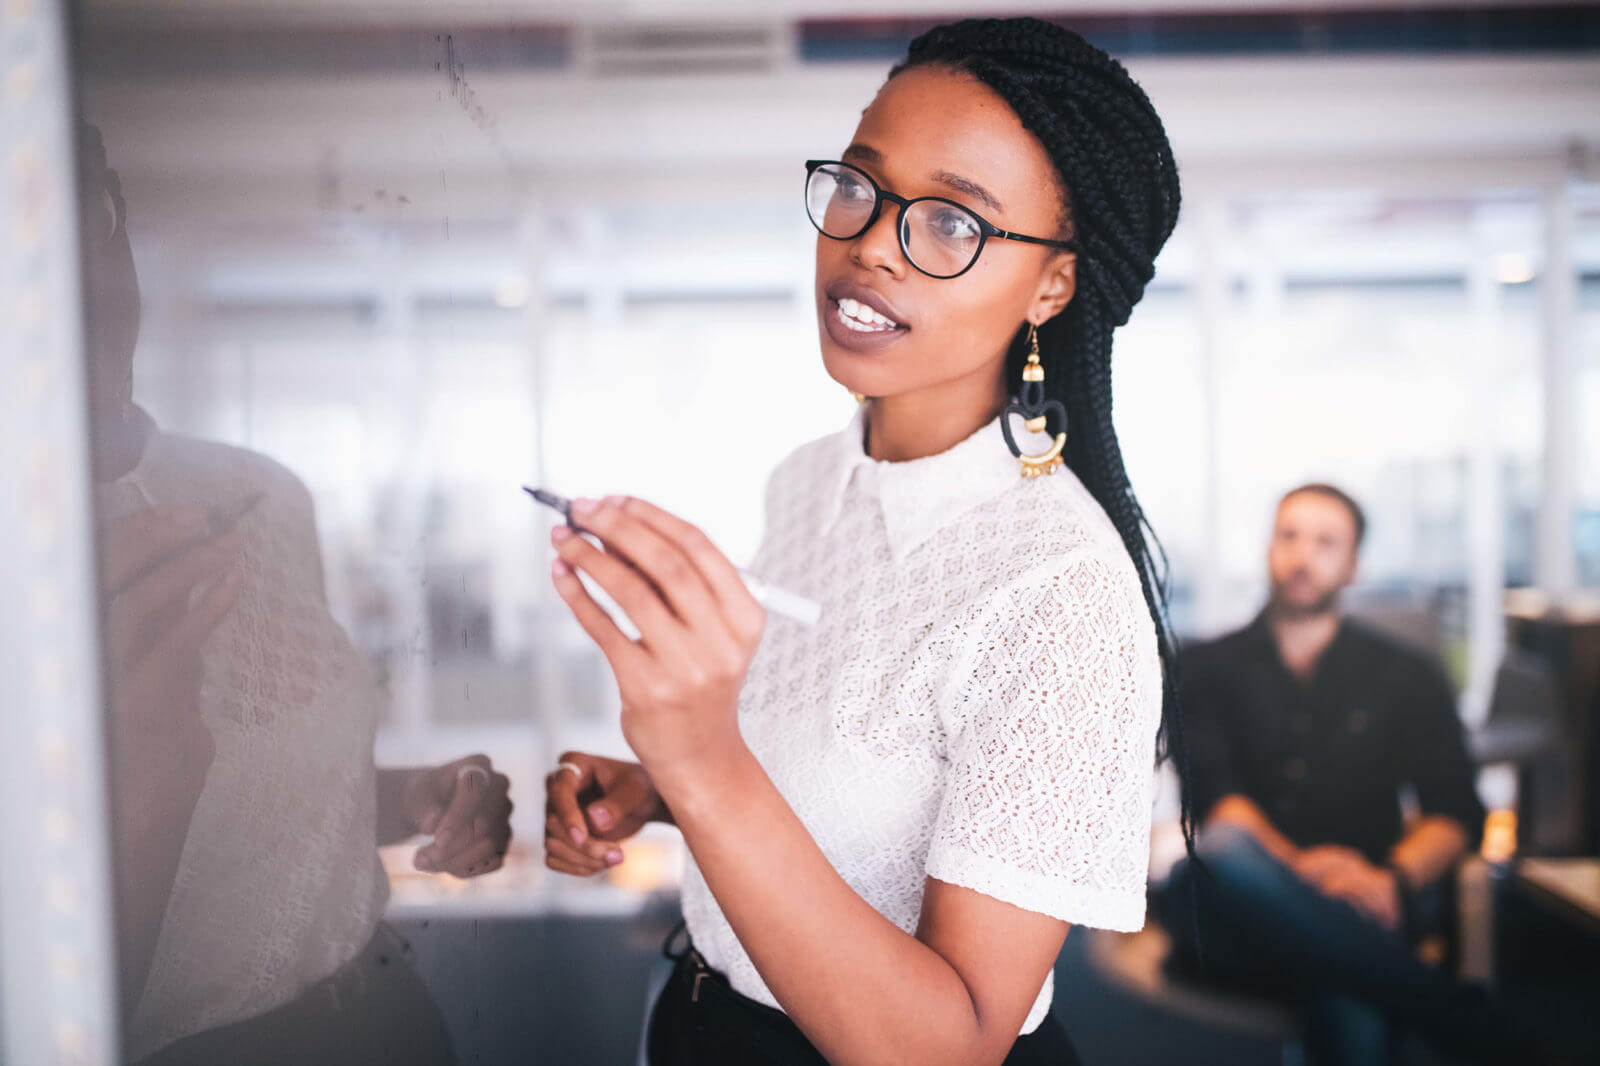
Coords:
700,1020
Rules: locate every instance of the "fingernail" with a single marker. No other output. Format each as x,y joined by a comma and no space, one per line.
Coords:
576,834
584,507
559,533
613,857
601,816
614,501
422,862
559,568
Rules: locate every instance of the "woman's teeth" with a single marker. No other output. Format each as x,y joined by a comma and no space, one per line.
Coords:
858,316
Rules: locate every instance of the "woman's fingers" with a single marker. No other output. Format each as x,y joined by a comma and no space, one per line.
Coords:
625,805
478,858
561,788
567,835
655,555
493,820
132,542
141,613
742,611
659,628
468,791
558,848
162,685
189,632
622,653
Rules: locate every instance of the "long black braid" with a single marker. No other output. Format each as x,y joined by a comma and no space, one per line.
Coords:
1119,196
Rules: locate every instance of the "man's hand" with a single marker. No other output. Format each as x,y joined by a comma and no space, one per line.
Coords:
1344,873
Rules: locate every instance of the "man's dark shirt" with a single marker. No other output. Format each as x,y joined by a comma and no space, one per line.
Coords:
1326,760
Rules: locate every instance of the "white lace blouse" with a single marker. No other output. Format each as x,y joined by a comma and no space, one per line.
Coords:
279,882
979,701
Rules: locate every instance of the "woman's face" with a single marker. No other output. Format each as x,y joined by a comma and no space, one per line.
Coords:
111,298
935,132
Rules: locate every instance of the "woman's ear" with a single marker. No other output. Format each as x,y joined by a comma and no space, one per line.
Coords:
1059,283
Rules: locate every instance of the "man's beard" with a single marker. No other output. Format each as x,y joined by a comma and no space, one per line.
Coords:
1282,607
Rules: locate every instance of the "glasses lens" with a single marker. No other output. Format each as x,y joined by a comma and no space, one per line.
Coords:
941,239
839,200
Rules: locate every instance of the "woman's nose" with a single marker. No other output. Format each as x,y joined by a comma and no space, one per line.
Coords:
879,244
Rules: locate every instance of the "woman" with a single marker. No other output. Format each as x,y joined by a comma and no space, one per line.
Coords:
894,816
247,808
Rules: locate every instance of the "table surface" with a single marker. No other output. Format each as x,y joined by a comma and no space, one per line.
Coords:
1569,885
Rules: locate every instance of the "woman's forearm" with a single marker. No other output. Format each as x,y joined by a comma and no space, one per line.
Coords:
393,824
862,990
156,789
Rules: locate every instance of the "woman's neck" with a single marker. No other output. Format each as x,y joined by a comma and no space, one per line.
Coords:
926,422
117,441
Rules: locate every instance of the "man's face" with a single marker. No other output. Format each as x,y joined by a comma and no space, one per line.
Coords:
1312,555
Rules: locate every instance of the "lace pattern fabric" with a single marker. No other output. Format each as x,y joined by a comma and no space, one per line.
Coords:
979,701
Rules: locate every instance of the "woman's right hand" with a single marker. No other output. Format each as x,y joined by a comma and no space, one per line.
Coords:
585,817
152,565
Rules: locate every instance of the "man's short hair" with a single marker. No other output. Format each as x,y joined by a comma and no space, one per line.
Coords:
1322,488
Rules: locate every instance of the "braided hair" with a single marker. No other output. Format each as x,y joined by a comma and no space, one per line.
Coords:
1119,200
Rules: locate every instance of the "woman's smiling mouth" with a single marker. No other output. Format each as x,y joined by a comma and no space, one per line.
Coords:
860,318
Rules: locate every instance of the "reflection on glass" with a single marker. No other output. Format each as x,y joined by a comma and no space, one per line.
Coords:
247,807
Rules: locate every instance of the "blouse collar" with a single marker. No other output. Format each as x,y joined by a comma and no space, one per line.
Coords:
920,496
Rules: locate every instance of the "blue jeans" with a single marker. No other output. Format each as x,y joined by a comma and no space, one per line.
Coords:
1262,929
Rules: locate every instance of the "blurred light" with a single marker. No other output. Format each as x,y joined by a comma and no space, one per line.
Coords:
1499,836
646,867
1513,268
511,293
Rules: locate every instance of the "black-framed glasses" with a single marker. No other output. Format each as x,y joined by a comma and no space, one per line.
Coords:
100,218
939,237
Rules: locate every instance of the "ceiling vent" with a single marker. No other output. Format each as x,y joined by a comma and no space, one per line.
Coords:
657,49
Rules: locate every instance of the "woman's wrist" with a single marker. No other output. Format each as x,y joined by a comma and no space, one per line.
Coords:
662,813
684,791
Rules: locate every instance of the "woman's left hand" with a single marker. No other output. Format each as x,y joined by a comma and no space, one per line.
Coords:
698,628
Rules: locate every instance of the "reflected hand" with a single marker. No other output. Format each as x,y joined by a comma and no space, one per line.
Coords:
466,806
617,799
153,562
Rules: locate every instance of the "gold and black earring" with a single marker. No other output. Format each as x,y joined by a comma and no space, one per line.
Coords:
1035,410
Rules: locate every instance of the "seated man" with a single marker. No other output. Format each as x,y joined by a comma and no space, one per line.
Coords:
1303,728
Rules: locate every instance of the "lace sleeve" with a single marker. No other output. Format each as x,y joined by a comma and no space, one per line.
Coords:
1053,709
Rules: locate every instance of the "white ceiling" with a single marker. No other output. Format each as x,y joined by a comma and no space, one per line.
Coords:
279,156
467,12
1415,124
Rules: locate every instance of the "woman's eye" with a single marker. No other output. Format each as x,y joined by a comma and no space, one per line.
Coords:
851,189
954,226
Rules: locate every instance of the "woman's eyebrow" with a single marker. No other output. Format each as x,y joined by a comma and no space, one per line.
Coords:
869,154
971,188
